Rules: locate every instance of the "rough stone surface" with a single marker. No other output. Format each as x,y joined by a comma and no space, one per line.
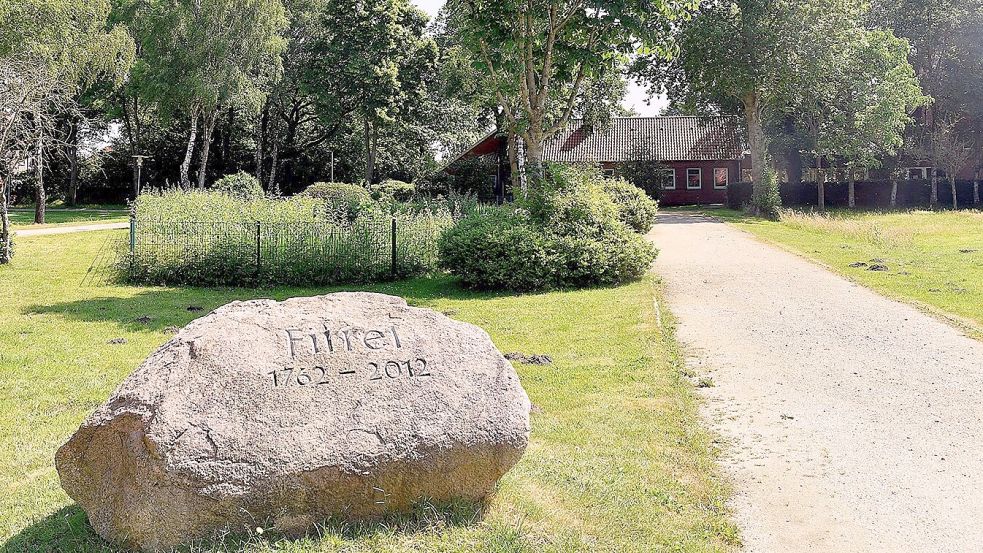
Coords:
350,405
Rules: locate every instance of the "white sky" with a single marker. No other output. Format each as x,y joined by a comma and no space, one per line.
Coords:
636,94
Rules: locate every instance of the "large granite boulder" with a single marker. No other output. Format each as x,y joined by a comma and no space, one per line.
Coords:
349,405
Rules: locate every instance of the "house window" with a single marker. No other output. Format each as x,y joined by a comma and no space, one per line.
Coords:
669,179
694,178
747,175
919,173
721,177
609,173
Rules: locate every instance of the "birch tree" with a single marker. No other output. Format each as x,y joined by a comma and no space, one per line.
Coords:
197,56
75,46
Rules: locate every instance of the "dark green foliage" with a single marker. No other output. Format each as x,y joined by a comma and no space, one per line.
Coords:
241,185
499,249
392,189
635,208
645,172
475,176
567,234
346,200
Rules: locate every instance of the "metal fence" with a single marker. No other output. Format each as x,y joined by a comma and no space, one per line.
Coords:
296,253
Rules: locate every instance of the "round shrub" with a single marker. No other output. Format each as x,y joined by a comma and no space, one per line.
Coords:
391,189
635,208
499,249
567,234
346,200
241,185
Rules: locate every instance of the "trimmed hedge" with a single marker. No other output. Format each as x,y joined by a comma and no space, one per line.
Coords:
869,194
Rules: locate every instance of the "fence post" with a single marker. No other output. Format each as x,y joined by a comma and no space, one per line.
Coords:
133,234
392,241
258,251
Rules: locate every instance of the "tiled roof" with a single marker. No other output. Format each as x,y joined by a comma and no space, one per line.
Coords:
665,138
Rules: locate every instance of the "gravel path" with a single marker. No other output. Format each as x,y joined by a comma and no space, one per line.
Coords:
71,229
851,422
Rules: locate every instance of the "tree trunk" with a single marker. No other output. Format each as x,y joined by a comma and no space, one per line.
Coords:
261,140
534,160
186,164
763,197
208,126
933,197
852,188
227,144
133,132
375,147
272,186
952,185
6,249
894,192
73,161
513,151
976,187
41,196
369,160
821,183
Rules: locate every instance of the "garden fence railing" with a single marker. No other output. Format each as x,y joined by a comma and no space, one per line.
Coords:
288,252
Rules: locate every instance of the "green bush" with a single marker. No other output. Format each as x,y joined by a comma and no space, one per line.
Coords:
393,190
347,201
567,234
241,185
499,249
635,208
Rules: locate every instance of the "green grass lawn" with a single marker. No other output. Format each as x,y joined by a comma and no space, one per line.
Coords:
617,460
933,259
23,218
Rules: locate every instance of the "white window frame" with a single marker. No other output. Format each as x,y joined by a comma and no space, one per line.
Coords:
726,177
925,171
667,186
608,173
699,185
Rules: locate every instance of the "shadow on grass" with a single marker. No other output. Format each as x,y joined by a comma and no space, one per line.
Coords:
68,530
156,309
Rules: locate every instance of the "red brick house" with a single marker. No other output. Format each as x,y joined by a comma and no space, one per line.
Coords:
701,155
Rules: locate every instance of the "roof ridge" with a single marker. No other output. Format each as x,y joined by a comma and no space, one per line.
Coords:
636,117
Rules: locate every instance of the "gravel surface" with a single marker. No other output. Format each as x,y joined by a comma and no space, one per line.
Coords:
851,422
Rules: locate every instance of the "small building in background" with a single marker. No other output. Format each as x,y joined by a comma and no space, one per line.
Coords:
697,157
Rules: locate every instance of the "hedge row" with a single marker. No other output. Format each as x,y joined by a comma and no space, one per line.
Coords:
869,194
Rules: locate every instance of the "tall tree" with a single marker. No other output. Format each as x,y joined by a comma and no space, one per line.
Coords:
76,46
858,113
371,58
763,55
947,53
950,153
198,56
540,53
